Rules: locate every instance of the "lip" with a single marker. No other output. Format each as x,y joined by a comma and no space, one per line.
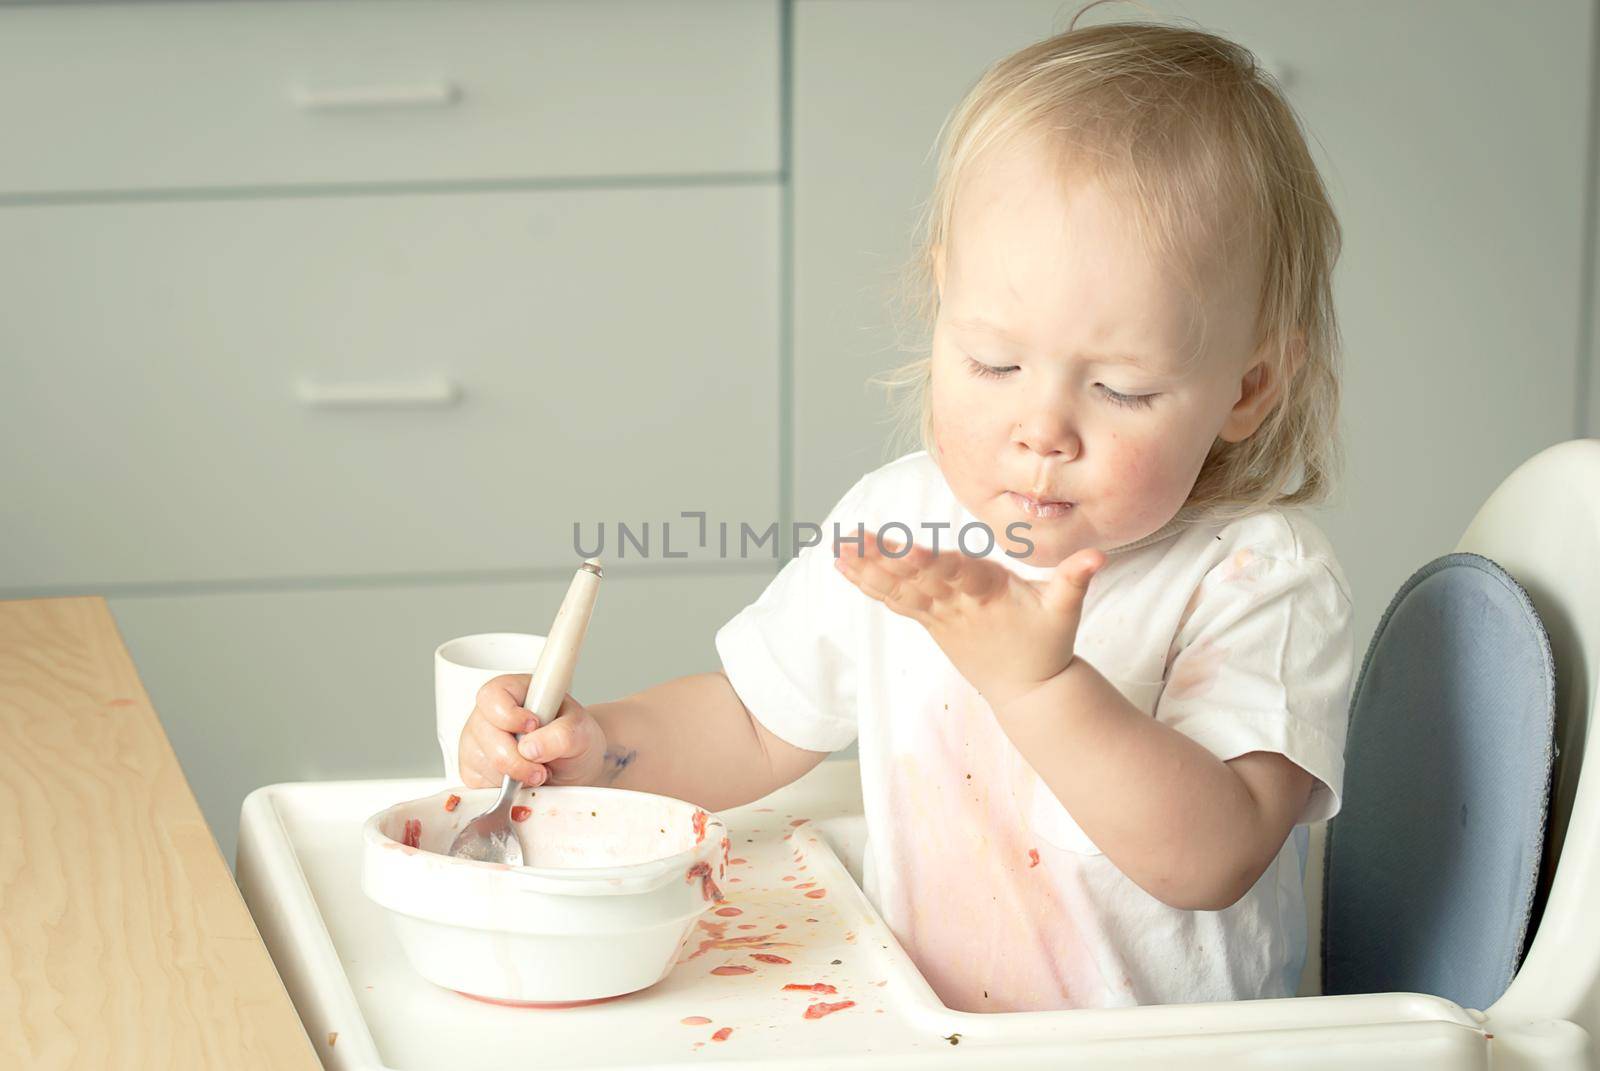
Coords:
1044,509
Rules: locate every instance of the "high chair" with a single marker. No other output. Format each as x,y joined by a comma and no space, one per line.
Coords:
1542,527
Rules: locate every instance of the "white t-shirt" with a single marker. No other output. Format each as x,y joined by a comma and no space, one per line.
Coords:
1237,635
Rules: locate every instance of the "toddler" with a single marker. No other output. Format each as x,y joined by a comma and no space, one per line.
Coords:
1096,660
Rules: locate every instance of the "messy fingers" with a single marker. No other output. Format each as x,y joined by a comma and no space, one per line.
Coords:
1064,593
500,701
553,741
898,594
501,755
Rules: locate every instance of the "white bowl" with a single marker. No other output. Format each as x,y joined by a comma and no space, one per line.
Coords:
613,885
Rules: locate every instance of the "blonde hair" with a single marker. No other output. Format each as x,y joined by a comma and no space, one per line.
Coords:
1188,128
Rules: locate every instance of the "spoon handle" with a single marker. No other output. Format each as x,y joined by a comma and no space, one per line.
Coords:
552,676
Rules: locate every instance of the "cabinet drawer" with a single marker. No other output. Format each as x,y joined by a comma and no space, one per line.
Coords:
254,689
571,356
141,96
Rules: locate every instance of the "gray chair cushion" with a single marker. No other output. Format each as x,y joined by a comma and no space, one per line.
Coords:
1433,859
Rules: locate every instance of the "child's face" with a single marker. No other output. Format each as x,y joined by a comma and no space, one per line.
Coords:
1049,284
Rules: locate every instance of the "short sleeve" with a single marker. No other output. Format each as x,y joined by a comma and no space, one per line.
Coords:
1264,663
790,655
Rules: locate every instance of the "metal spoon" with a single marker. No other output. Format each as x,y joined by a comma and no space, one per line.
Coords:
489,836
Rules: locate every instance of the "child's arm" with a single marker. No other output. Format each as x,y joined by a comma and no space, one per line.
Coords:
1198,832
693,739
690,738
1192,830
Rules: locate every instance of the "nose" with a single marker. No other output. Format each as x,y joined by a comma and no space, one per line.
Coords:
1048,432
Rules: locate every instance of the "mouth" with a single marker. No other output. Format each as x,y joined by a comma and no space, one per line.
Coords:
1042,508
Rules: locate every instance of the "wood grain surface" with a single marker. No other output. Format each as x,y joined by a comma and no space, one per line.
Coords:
123,939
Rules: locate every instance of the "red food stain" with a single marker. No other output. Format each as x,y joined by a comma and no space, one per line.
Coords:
738,862
817,1011
413,834
520,814
788,877
1033,858
699,825
723,1034
726,847
728,912
767,957
799,822
783,926
333,1038
806,885
452,803
817,894
719,939
813,920
747,926
733,968
694,1020
814,987
708,887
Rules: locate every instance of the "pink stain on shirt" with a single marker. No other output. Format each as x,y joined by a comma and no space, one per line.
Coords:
1195,671
988,935
1243,567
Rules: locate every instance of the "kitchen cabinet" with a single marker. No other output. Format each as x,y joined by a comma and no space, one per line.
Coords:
164,96
380,385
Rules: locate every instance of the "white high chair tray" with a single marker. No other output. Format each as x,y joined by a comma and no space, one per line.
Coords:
364,1008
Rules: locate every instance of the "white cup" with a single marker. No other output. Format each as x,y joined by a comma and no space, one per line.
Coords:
463,665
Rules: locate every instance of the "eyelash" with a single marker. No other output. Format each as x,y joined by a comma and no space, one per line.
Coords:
1128,401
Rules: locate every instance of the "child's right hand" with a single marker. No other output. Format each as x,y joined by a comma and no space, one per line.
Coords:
568,751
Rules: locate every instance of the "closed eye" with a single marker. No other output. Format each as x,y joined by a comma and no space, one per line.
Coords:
989,371
1131,401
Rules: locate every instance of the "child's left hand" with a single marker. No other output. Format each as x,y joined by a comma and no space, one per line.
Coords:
1005,635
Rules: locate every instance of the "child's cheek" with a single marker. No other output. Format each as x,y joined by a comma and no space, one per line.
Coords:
954,442
1142,488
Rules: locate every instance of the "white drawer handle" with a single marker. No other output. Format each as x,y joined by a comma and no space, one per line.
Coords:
376,395
440,94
